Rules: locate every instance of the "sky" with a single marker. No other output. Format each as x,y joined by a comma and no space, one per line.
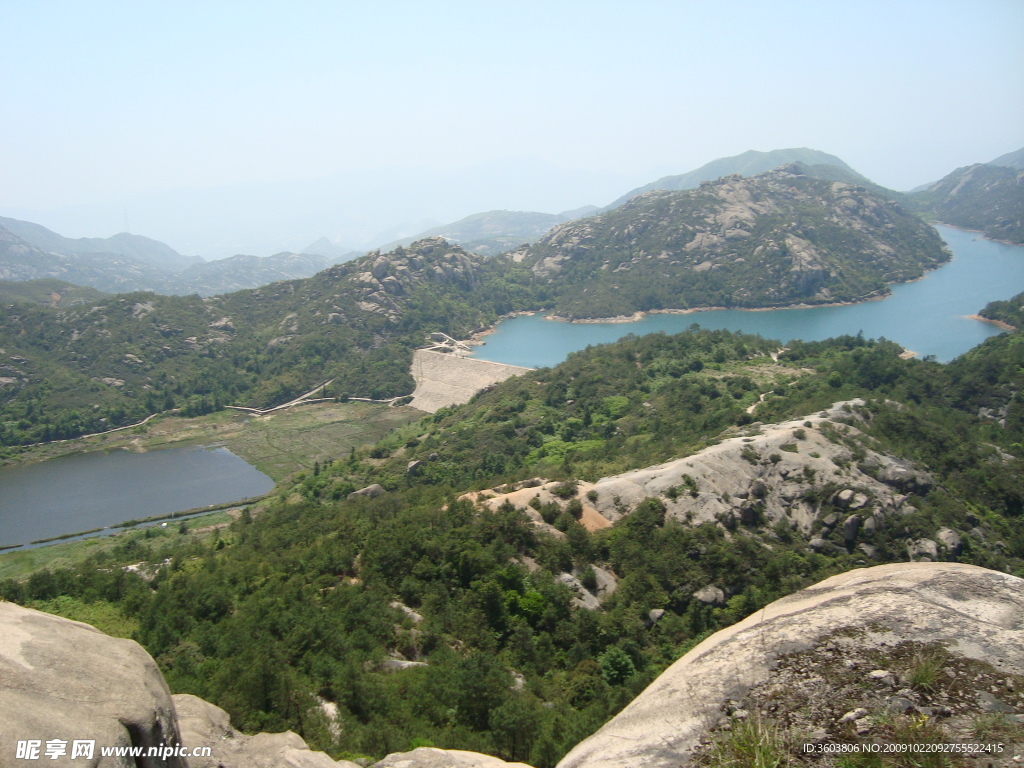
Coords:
113,112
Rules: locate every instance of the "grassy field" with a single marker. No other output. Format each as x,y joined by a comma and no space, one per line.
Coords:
282,443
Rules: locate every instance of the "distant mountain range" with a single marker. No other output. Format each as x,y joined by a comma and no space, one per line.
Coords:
357,209
494,232
150,252
336,254
986,197
127,262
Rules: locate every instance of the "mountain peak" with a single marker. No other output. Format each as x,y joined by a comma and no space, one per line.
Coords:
749,163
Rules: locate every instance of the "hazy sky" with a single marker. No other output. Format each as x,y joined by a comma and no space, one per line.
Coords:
104,100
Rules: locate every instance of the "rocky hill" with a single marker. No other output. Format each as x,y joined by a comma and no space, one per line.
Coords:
984,197
1010,160
777,239
799,474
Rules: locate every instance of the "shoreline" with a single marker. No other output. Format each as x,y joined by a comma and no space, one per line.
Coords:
998,323
640,315
475,336
976,232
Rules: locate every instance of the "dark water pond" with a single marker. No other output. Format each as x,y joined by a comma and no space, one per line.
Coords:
93,490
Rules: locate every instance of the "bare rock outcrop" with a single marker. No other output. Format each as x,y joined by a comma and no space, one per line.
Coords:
64,680
767,474
202,723
370,492
770,475
977,615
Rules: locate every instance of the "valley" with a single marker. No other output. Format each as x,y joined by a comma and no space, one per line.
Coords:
505,570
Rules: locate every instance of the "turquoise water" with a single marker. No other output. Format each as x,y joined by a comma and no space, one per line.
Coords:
92,490
927,316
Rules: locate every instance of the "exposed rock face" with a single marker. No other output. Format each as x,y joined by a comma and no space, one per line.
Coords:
769,476
431,757
950,539
710,595
62,679
370,491
976,613
384,280
203,723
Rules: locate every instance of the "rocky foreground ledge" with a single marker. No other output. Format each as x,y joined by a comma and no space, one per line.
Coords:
834,661
842,659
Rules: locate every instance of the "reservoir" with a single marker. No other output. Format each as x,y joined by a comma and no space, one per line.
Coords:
928,316
94,490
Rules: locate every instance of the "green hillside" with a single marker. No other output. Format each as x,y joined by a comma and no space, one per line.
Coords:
1010,311
983,197
777,239
48,291
89,367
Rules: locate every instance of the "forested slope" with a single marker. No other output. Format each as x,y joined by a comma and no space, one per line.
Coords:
327,596
68,370
983,197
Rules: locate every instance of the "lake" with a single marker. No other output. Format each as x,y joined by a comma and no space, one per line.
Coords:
93,490
927,316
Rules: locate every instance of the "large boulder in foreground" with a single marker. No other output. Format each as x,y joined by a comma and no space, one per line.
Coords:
203,723
855,635
64,680
61,679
